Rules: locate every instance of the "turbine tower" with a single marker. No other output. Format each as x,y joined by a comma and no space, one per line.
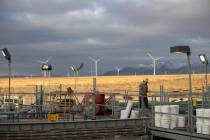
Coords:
96,64
118,70
154,61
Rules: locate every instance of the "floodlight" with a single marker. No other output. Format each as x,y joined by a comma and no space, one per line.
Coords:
80,67
6,54
203,58
47,67
180,49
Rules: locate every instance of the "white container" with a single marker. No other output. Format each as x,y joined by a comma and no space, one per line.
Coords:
129,105
157,108
206,129
174,109
173,122
125,114
200,112
157,122
122,114
181,121
165,121
165,109
134,114
206,114
199,128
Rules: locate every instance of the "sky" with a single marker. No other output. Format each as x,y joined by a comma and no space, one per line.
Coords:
119,31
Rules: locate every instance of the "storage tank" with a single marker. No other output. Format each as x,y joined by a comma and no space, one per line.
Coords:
100,98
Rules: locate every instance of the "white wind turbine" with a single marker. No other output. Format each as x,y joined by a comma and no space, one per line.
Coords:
154,61
96,64
118,70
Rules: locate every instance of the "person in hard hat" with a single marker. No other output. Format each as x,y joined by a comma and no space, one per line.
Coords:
143,90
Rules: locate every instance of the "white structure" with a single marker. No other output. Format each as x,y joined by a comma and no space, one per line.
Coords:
203,121
96,64
125,114
118,70
154,61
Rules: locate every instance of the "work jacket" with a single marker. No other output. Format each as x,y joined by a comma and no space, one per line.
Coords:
143,89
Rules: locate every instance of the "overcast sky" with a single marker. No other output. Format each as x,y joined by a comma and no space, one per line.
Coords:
120,31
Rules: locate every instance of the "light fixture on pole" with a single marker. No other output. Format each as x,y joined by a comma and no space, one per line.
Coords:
96,64
154,62
186,50
46,67
204,60
7,56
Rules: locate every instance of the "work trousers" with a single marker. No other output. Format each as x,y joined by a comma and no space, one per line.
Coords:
145,101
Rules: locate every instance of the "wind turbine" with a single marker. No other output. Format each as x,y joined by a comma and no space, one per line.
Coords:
96,64
76,74
154,61
118,70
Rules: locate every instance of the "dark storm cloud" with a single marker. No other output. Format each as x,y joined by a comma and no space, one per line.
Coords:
120,31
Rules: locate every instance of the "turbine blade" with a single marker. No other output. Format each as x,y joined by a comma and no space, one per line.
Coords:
158,58
92,59
72,68
39,61
48,59
150,56
99,59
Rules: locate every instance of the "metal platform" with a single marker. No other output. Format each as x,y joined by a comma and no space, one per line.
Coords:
162,133
73,129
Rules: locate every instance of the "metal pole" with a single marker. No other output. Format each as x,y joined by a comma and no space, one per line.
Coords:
36,99
93,99
203,98
154,66
75,81
206,78
60,94
9,63
96,68
190,111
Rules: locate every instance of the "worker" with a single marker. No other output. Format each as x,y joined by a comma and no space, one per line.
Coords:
143,90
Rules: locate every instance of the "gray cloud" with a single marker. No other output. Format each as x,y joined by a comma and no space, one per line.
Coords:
120,31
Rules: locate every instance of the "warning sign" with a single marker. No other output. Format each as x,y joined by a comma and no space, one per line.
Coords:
53,117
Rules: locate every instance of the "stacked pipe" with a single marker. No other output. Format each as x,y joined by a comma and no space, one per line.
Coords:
203,121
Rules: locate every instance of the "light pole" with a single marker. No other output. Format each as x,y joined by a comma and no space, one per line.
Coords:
7,56
186,50
204,60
